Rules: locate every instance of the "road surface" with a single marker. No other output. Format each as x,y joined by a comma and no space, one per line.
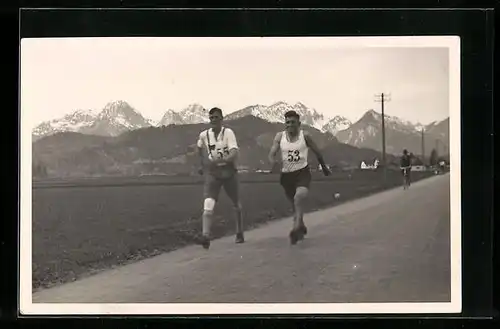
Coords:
390,247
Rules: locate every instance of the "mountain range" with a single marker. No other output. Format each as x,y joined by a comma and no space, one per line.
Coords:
119,117
115,118
399,134
171,150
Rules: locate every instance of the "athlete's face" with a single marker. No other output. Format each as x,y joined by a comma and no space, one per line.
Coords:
215,119
292,125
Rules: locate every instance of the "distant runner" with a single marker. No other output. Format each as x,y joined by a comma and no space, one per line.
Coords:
406,169
219,145
295,179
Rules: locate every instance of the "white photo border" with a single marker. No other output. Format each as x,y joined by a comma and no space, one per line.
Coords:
27,307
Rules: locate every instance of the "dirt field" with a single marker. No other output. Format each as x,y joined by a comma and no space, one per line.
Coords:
80,228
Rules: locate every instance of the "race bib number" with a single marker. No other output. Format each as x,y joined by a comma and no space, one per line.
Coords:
221,152
293,156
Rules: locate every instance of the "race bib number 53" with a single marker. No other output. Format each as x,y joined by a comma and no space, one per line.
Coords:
293,156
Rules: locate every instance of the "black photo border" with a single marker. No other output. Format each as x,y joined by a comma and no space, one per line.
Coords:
473,26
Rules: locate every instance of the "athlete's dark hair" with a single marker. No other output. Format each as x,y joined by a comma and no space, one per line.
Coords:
214,110
292,114
405,151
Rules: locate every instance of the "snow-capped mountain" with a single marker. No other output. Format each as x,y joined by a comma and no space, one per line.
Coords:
439,128
194,113
399,134
116,118
391,122
259,111
338,123
73,122
276,112
171,117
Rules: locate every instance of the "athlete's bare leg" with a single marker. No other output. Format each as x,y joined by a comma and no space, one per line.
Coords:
298,217
239,218
292,202
299,199
299,229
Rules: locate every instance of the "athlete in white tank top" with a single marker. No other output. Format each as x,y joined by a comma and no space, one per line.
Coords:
293,154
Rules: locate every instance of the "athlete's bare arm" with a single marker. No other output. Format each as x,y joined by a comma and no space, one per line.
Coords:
274,148
314,147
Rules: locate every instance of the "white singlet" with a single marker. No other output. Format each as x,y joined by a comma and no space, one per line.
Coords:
293,155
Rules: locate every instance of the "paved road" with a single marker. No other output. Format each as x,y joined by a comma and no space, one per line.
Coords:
389,247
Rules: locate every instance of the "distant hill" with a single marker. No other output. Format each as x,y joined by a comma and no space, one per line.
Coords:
171,150
399,134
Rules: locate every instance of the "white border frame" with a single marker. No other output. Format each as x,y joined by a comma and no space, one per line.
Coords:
27,307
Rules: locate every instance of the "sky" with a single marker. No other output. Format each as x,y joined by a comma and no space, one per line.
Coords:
59,76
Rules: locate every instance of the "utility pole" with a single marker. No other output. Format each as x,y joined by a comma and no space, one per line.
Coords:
423,147
382,98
